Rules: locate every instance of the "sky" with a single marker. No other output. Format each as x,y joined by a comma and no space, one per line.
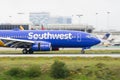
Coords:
9,10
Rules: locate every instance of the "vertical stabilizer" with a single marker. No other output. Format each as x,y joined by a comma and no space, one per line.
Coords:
21,28
106,36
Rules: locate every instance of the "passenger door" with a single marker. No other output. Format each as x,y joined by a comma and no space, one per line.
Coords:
78,37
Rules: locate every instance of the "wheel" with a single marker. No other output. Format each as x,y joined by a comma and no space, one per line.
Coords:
30,51
82,51
24,51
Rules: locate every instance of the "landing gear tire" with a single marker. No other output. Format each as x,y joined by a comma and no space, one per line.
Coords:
30,51
24,51
82,51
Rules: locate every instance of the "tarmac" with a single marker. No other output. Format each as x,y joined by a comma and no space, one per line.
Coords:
61,55
92,48
65,55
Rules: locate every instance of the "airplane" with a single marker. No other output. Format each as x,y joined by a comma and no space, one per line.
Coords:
104,40
46,40
106,36
114,41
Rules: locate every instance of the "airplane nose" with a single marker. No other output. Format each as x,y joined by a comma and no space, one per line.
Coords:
97,41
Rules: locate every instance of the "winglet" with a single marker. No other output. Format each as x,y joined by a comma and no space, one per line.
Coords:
21,28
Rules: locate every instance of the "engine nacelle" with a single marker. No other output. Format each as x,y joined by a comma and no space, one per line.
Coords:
41,46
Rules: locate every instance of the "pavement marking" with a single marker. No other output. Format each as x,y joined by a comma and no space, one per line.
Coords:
61,55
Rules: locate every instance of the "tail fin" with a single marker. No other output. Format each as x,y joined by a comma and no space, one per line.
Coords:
2,43
106,36
21,28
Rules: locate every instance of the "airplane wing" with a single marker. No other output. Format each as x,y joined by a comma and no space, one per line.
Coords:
17,43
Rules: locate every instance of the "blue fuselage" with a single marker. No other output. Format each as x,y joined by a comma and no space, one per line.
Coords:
57,38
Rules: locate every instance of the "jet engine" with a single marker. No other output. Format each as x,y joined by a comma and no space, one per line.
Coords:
41,46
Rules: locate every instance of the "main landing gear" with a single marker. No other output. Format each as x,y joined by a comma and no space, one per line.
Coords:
83,51
27,51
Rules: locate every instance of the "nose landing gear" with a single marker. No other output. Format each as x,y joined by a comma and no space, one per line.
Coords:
83,51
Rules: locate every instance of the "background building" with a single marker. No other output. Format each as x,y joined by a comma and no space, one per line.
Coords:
44,18
38,19
77,27
60,20
13,26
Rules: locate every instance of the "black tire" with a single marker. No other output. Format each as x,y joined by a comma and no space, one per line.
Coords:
82,52
24,51
30,51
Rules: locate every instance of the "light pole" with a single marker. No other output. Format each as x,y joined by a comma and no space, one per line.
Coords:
20,16
96,20
79,15
108,14
10,19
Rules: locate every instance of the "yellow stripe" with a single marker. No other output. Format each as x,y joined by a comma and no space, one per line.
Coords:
1,43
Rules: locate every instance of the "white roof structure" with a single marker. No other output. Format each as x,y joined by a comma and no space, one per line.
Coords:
69,27
77,27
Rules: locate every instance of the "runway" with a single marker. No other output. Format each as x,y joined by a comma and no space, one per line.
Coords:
60,55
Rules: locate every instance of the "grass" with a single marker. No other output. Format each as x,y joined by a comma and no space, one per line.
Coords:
63,52
81,68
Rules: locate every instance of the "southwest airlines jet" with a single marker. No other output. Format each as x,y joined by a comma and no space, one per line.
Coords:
46,40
